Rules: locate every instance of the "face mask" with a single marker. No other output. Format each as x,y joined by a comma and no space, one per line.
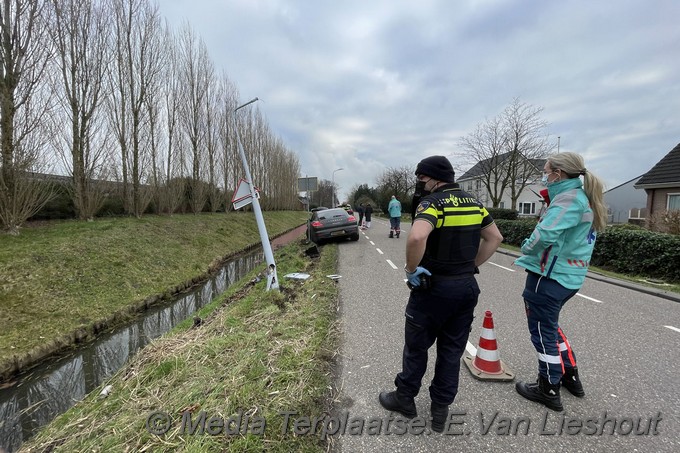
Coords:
544,179
420,189
419,193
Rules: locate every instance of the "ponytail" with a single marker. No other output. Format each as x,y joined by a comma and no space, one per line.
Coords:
572,164
594,189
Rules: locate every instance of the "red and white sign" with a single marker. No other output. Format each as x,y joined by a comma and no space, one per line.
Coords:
242,196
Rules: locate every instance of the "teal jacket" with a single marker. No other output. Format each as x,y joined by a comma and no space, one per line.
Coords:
394,208
562,243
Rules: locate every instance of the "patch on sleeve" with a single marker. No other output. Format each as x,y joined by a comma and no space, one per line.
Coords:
423,205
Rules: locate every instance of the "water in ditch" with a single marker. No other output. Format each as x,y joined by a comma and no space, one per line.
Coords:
54,386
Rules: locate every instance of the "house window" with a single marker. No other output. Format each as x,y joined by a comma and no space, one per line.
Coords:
479,184
502,205
637,213
527,208
469,185
673,202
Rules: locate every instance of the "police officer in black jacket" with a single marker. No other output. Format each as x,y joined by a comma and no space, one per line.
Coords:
452,234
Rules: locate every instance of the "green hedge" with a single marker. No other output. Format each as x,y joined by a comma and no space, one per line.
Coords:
499,213
639,252
515,231
625,249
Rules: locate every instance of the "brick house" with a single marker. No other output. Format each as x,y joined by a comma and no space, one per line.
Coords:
662,184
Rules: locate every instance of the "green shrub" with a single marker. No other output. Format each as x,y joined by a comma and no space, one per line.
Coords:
626,226
515,231
59,207
638,252
625,249
500,213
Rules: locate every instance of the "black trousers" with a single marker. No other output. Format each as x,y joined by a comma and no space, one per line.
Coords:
443,314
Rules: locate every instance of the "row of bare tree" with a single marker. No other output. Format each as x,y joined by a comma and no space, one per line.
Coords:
105,90
506,154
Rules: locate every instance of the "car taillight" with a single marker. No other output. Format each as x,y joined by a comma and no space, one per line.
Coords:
316,224
352,218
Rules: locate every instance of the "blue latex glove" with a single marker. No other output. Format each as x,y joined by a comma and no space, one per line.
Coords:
414,277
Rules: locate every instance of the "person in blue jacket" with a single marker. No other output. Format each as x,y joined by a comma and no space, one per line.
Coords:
394,209
556,257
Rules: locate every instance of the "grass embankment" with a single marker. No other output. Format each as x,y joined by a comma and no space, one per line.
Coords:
63,282
256,356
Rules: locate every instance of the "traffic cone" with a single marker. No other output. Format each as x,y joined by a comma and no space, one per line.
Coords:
487,364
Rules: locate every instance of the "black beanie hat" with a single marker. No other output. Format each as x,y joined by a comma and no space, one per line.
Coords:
437,167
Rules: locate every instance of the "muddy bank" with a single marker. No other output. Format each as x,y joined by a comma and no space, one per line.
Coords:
15,364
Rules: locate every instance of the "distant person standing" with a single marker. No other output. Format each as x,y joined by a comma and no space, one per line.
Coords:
394,208
360,210
368,211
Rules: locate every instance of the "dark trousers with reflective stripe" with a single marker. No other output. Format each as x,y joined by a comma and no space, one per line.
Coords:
543,301
443,314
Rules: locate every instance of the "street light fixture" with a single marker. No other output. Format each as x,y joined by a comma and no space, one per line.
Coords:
272,277
333,186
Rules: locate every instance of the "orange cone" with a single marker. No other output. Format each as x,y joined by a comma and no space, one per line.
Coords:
487,364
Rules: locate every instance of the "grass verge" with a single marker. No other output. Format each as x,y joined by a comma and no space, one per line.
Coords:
63,282
256,356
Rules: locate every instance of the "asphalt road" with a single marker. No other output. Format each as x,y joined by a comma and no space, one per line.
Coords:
626,343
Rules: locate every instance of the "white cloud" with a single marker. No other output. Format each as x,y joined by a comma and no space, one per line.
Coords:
369,85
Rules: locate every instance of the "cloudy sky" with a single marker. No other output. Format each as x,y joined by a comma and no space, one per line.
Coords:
368,84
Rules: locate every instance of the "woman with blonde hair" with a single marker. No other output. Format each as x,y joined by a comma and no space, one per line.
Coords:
556,258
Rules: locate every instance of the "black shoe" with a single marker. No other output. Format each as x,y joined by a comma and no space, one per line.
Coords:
397,235
571,382
439,414
541,392
391,236
398,403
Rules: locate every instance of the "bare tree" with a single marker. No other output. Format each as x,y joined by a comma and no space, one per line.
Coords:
80,35
159,92
485,148
24,100
138,60
399,182
527,144
507,149
229,158
211,137
195,73
172,195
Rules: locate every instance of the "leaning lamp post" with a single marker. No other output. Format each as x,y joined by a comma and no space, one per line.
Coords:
333,188
272,278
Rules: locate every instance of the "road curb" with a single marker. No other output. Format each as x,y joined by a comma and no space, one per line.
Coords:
614,281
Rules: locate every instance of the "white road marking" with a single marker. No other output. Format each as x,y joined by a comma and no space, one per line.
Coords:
380,251
589,298
502,267
392,264
371,242
672,328
471,349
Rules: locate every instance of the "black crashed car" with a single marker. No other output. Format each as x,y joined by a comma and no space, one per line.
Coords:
335,223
